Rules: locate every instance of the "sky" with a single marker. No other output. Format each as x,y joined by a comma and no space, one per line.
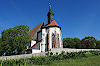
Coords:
77,18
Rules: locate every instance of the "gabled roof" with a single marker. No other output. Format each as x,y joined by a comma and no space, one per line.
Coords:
33,32
53,24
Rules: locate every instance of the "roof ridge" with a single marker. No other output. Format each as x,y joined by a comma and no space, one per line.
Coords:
34,30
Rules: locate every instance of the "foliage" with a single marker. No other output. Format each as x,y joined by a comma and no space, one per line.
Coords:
45,60
77,43
95,52
0,40
71,43
51,53
68,43
98,44
0,45
88,42
14,40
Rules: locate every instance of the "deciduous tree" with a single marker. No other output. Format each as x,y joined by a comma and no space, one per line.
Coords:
68,43
88,42
14,40
71,43
98,44
77,43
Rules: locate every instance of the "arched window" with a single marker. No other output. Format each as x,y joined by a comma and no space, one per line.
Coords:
53,40
58,45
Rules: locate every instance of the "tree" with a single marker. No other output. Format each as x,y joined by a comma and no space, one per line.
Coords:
0,45
71,43
0,40
77,43
68,43
14,40
88,42
98,44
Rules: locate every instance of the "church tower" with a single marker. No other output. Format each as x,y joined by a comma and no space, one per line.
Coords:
49,36
50,15
53,33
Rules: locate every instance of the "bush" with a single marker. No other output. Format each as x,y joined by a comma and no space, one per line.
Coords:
95,52
49,58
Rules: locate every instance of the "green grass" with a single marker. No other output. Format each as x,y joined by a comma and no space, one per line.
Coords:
89,61
82,61
91,58
85,61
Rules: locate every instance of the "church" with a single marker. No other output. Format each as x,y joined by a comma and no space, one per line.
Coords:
47,36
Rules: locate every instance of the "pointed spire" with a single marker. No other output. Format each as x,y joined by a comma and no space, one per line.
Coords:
49,6
50,14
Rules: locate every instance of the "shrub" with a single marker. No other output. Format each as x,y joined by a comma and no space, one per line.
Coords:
48,59
95,52
51,53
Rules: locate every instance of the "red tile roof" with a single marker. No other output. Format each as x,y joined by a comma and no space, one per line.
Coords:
53,23
33,32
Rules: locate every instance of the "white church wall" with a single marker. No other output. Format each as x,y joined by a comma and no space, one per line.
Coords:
35,51
50,38
61,40
32,42
40,47
52,30
60,35
44,34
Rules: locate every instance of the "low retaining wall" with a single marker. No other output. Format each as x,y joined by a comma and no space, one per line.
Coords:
59,50
21,56
55,50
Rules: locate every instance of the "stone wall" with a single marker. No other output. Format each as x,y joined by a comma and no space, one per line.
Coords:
21,56
59,50
55,50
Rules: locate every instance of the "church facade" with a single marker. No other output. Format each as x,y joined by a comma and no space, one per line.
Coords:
48,36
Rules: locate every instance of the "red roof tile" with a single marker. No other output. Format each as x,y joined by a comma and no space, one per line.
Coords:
34,31
53,23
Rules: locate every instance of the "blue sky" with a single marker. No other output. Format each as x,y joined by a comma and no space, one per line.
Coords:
78,18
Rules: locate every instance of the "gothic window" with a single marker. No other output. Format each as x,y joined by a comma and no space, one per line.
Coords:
53,41
58,45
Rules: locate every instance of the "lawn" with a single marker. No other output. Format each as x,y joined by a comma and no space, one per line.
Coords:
89,61
75,59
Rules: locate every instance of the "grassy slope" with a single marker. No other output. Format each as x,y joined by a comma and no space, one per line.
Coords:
89,61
